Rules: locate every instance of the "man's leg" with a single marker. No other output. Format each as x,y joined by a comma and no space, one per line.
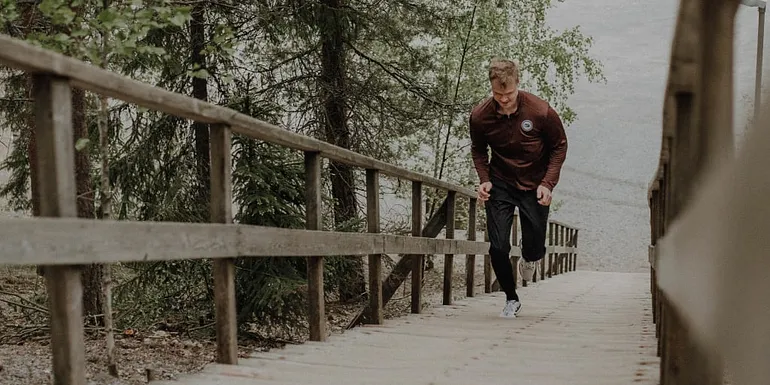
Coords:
500,208
534,222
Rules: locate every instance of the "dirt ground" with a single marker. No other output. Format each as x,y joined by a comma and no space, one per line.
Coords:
26,360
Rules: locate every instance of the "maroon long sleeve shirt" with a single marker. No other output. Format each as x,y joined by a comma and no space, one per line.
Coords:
528,146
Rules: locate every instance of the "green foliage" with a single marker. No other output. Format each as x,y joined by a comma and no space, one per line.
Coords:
269,192
8,11
80,27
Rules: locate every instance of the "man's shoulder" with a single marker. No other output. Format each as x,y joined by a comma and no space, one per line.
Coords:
483,109
536,105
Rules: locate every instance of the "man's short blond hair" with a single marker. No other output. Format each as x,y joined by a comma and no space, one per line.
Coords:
503,71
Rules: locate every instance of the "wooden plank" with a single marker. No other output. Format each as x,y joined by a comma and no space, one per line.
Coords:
417,260
562,224
470,259
562,336
223,269
65,241
375,260
315,264
24,56
56,170
449,258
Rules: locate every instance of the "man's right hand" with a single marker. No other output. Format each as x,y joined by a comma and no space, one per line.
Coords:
483,193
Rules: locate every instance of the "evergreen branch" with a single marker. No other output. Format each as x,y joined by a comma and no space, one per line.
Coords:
402,79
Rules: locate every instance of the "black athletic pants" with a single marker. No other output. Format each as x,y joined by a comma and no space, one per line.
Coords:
503,200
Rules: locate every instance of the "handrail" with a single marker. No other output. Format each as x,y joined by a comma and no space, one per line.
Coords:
696,200
24,56
62,243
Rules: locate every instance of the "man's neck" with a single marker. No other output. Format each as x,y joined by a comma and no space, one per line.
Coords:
511,110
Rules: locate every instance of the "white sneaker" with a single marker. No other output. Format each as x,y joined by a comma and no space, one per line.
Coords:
511,309
527,269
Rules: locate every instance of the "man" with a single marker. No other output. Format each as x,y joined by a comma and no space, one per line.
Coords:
528,146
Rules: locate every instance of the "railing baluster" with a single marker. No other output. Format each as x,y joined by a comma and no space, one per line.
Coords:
542,262
551,242
375,260
487,266
515,242
562,239
315,265
56,181
564,232
449,258
470,259
574,249
223,269
569,255
417,260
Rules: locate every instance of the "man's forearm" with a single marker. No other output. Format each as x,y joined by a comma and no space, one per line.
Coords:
481,162
555,163
557,140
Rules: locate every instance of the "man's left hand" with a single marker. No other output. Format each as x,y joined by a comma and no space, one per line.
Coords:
543,195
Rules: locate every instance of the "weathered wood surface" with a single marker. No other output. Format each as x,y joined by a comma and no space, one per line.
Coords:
21,55
56,180
223,269
31,241
583,328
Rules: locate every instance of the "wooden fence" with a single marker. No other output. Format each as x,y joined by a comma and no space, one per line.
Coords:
709,214
63,243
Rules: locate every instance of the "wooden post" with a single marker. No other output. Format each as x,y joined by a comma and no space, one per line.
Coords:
220,211
56,178
515,258
417,259
551,242
375,260
569,255
562,243
487,267
449,258
315,265
470,259
574,255
542,262
556,242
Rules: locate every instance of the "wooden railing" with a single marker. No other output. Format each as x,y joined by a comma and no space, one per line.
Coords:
62,243
709,214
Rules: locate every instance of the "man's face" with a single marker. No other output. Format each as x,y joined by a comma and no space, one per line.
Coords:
505,96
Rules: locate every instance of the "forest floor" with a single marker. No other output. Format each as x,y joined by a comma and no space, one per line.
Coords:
25,354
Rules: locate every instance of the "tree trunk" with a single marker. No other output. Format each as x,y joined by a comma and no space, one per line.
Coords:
106,208
200,91
92,274
28,15
332,27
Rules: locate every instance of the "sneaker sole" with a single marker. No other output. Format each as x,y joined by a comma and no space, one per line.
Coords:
521,274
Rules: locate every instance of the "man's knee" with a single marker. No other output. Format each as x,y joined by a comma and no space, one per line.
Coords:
501,251
533,253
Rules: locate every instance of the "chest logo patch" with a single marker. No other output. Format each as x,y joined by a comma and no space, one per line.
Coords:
526,125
